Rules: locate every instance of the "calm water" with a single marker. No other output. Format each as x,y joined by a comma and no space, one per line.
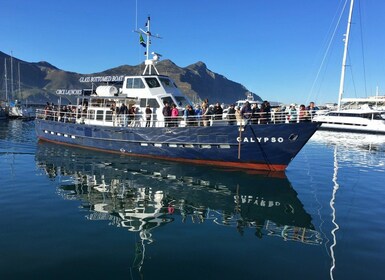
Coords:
74,214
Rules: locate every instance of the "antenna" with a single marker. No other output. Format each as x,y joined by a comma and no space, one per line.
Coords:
156,56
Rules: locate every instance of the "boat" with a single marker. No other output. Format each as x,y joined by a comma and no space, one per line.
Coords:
3,115
364,118
95,123
18,111
14,108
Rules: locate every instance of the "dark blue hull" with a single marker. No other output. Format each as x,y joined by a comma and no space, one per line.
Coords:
263,147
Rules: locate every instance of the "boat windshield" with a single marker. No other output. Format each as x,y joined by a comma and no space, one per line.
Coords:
181,101
152,82
379,116
166,83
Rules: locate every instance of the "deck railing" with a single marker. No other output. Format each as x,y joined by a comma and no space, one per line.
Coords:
140,120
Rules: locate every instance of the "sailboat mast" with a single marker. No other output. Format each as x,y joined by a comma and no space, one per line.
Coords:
18,72
342,80
6,79
12,76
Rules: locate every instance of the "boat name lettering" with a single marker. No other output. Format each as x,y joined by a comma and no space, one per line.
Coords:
69,91
249,199
99,79
260,139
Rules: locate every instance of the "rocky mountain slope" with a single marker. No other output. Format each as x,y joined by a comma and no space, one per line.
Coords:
39,81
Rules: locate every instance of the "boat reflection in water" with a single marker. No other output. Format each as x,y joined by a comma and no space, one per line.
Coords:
142,195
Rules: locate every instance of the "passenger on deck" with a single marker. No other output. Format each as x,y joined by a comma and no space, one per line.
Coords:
198,114
123,111
167,114
292,114
312,109
137,116
218,111
265,112
255,113
148,115
205,115
303,114
238,115
231,114
246,112
174,115
189,116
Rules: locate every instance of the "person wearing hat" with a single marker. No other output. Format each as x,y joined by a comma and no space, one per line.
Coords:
148,115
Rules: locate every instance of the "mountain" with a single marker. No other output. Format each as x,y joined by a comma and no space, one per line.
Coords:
39,81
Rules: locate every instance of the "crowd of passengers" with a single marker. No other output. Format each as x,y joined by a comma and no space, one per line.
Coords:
66,113
202,115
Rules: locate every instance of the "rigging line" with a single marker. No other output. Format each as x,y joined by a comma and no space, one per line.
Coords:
327,50
352,75
260,146
362,48
136,14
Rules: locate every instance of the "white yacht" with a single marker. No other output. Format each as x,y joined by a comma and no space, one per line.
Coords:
363,118
354,120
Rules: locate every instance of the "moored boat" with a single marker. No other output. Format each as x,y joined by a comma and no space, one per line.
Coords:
130,120
3,115
353,120
362,118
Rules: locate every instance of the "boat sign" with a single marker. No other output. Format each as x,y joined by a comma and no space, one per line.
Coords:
99,79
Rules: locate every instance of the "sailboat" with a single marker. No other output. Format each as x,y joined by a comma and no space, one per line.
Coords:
364,119
14,108
3,115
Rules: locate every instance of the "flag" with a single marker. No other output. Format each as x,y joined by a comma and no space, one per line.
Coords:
141,41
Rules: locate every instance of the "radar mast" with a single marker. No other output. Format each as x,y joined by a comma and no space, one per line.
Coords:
150,63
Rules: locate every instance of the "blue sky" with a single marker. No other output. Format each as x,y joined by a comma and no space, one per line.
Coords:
275,48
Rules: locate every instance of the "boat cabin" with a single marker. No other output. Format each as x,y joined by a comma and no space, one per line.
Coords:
126,106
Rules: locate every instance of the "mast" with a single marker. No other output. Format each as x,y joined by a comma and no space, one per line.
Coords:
5,79
342,80
150,63
18,72
12,76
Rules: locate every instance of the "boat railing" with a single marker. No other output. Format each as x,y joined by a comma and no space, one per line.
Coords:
111,118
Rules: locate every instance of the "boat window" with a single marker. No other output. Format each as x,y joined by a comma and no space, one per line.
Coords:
134,83
166,83
108,116
91,114
149,101
152,82
99,115
153,103
377,116
167,99
181,101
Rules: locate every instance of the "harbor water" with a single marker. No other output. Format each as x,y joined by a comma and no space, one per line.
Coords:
69,213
